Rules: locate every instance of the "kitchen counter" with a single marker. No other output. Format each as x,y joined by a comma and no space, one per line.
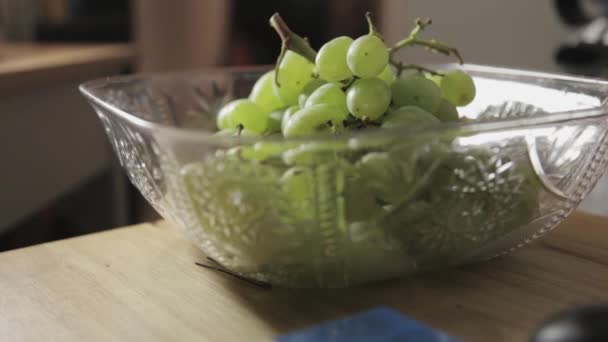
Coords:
141,283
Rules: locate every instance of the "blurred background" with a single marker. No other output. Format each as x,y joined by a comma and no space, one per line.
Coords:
58,177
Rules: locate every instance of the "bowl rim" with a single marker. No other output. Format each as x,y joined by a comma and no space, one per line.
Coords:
464,127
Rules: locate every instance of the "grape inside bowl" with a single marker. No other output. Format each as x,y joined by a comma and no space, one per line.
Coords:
342,210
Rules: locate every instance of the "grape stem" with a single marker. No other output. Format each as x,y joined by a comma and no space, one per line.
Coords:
290,41
370,24
399,204
413,40
349,82
357,123
239,129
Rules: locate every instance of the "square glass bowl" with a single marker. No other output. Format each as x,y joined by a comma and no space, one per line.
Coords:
308,212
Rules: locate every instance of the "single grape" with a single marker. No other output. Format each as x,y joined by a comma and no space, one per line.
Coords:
458,87
382,175
243,151
288,114
367,56
314,152
312,119
265,150
387,75
412,72
330,94
295,72
370,142
446,112
435,78
274,121
245,133
368,98
297,183
416,90
235,133
263,93
302,99
313,85
331,60
243,112
408,115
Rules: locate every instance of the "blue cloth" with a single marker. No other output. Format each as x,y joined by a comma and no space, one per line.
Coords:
379,325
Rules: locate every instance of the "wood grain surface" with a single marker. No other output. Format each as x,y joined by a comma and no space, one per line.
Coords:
140,283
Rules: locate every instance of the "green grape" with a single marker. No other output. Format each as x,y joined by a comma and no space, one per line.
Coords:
367,56
416,90
330,94
367,142
408,115
387,75
245,133
309,89
245,151
274,121
295,72
234,133
331,60
458,88
243,112
368,98
312,119
238,151
435,78
446,112
263,93
314,153
382,175
289,112
265,150
296,184
412,72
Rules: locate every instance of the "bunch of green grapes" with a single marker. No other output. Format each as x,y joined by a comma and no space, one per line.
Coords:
349,84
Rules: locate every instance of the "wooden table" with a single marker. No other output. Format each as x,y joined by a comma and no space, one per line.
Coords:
140,283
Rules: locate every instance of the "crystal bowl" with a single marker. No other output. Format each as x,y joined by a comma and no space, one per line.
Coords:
306,214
